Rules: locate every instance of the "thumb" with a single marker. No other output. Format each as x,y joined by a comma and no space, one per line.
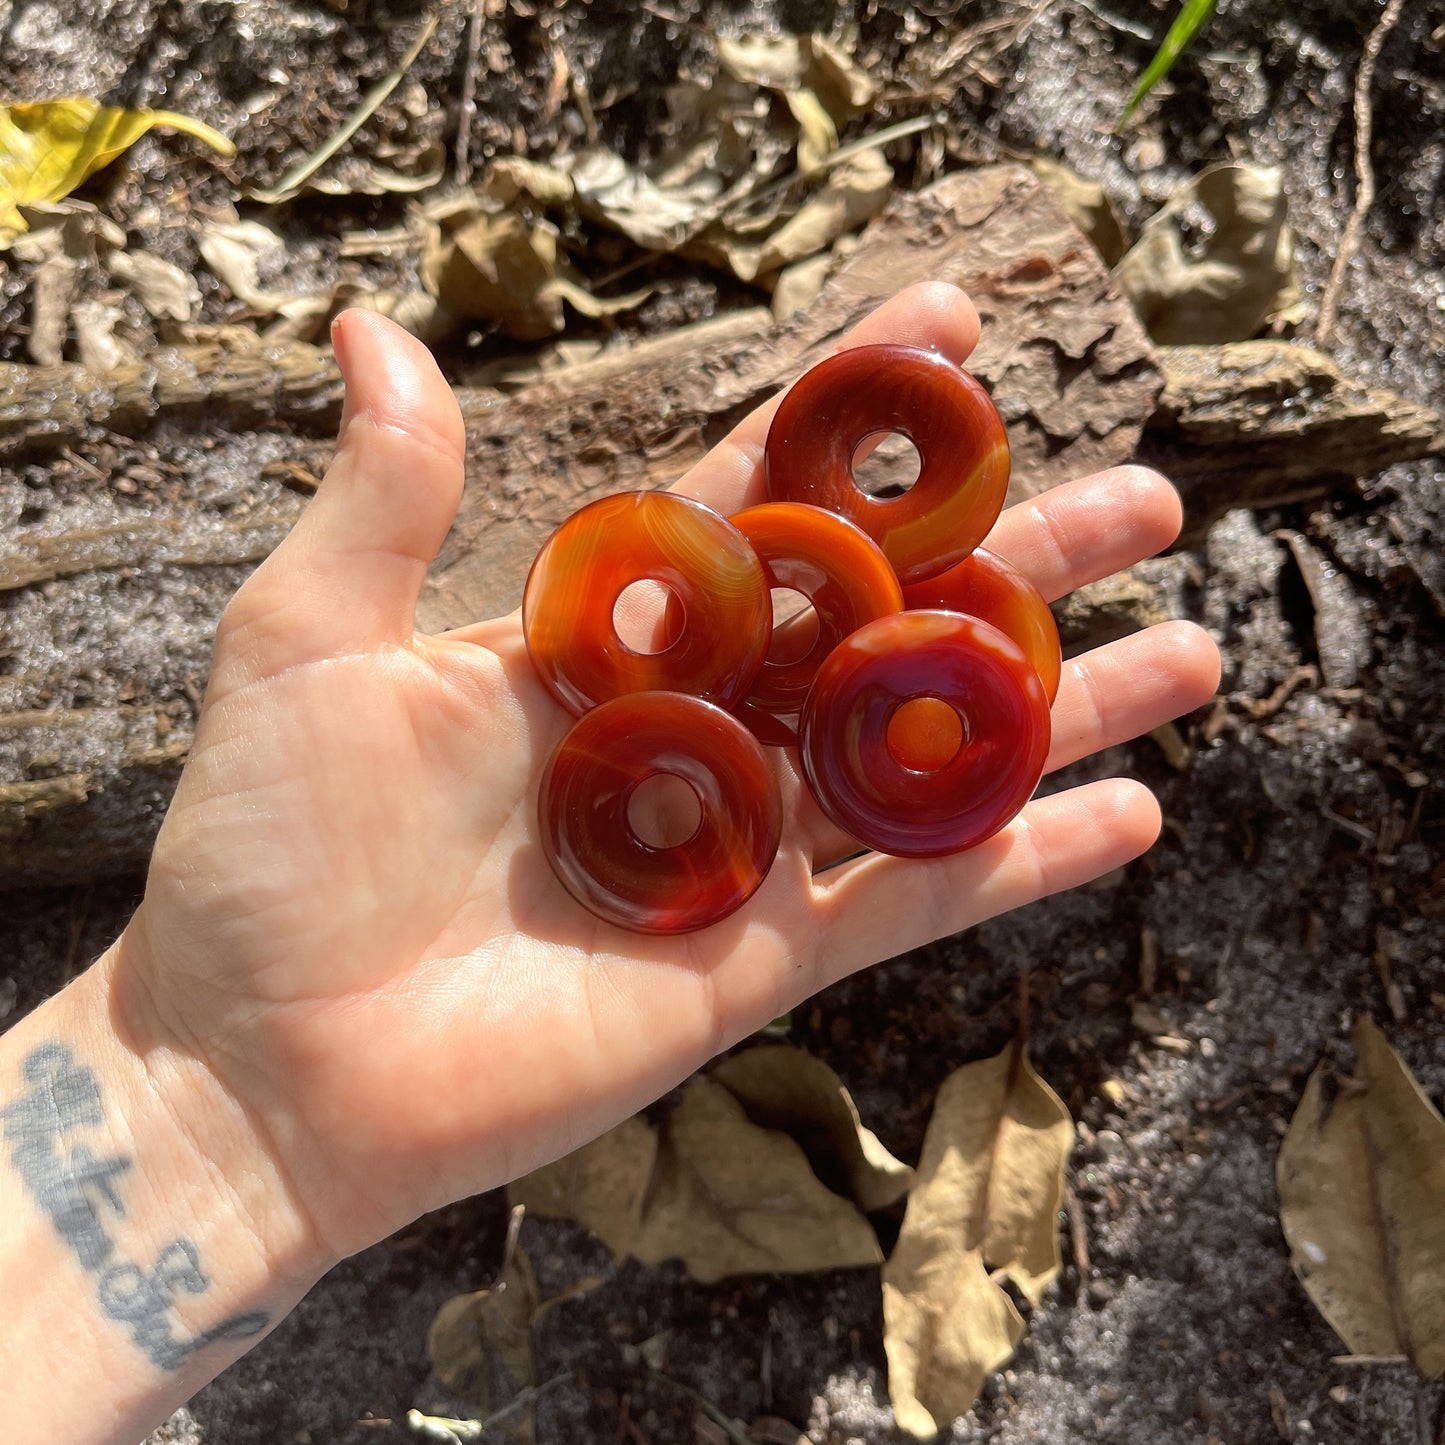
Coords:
348,575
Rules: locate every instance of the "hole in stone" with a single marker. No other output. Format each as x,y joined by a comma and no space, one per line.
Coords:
795,627
885,464
664,811
925,734
644,620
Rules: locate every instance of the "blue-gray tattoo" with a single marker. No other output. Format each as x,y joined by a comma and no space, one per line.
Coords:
78,1189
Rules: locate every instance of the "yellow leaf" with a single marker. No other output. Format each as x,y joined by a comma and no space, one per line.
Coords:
47,148
987,1197
1360,1189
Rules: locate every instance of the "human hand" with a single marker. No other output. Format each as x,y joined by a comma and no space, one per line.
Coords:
349,925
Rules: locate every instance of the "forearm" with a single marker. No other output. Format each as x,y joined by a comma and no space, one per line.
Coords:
145,1239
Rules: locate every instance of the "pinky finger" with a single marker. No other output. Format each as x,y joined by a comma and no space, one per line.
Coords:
876,907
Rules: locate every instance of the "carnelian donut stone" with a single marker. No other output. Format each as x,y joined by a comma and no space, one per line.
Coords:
588,835
597,553
832,409
840,570
875,734
987,587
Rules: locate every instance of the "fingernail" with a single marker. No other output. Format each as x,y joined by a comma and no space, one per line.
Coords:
338,342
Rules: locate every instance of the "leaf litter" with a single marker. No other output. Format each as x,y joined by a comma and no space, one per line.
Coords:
764,1166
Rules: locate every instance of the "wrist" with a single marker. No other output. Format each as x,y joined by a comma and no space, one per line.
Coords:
145,1231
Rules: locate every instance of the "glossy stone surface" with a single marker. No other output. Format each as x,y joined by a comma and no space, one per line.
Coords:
840,570
725,606
911,811
589,838
987,587
939,407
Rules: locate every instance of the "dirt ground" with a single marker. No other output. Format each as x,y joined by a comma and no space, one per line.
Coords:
1300,881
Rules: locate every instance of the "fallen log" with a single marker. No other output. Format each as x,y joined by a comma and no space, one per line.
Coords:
113,600
1265,423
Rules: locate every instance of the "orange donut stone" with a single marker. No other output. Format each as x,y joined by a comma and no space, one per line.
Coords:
833,408
840,570
601,550
987,587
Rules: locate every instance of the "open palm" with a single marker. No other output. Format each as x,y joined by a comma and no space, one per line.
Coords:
349,919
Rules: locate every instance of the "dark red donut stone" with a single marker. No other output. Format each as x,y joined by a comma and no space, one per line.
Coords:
588,836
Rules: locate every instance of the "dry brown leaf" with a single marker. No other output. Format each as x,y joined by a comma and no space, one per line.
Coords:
817,135
656,217
63,244
798,285
481,1345
100,349
854,193
239,252
52,291
987,1196
946,1327
784,1088
509,178
1235,278
365,176
167,292
581,299
496,266
731,1198
1088,207
48,147
787,63
1362,1204
602,1185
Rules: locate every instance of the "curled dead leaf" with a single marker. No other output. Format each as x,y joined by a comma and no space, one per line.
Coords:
1239,273
785,1088
481,1345
730,1198
788,63
728,1185
1361,1180
658,217
167,292
987,1196
496,265
854,193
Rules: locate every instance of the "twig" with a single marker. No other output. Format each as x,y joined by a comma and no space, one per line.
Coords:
509,1249
467,112
886,136
719,1417
1364,171
452,1431
295,178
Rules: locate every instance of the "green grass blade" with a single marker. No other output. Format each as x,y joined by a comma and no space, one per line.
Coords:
1192,19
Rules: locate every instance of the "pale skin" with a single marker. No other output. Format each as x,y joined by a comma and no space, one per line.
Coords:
355,992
